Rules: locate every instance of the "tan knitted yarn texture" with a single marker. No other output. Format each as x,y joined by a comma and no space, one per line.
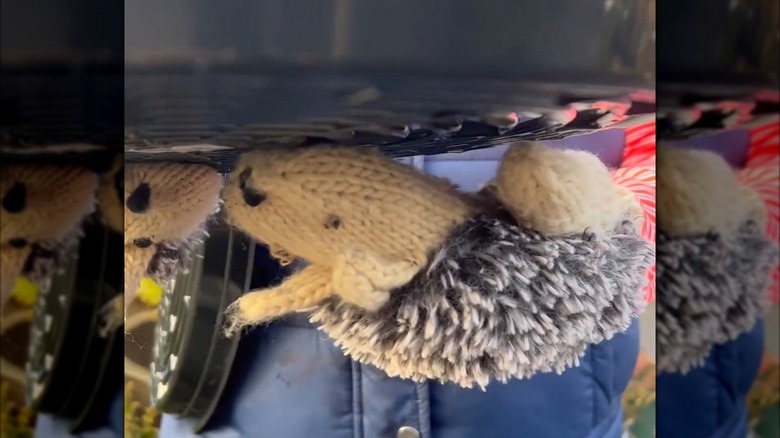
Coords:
320,202
560,191
700,193
57,200
367,223
110,203
182,197
304,290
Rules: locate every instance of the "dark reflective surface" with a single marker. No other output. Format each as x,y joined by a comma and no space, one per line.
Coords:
558,40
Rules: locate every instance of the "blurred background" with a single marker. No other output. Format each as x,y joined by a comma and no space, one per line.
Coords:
717,80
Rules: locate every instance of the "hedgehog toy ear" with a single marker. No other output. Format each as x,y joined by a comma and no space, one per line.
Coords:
557,191
696,185
714,257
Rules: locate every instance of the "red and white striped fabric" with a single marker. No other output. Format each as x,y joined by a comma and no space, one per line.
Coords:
762,174
641,182
764,145
765,180
639,145
637,174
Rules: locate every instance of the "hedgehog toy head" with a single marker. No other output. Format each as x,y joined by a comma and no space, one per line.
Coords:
165,208
317,203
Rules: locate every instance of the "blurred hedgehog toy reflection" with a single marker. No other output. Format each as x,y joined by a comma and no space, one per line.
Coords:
43,208
714,259
166,206
407,274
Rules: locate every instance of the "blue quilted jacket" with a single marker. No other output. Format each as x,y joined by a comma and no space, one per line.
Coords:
710,401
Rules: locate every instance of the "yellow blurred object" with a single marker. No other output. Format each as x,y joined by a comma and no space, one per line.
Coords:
149,293
25,292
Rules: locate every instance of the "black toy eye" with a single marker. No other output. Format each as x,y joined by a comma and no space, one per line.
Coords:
16,198
138,201
18,243
243,177
252,197
143,242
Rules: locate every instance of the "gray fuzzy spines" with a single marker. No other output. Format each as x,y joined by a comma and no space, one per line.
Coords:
172,256
497,302
711,288
48,257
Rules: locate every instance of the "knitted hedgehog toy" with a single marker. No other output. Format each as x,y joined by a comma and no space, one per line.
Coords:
407,274
43,207
166,206
713,259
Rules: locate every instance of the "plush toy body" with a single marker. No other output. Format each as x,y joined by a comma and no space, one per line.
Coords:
714,259
407,274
